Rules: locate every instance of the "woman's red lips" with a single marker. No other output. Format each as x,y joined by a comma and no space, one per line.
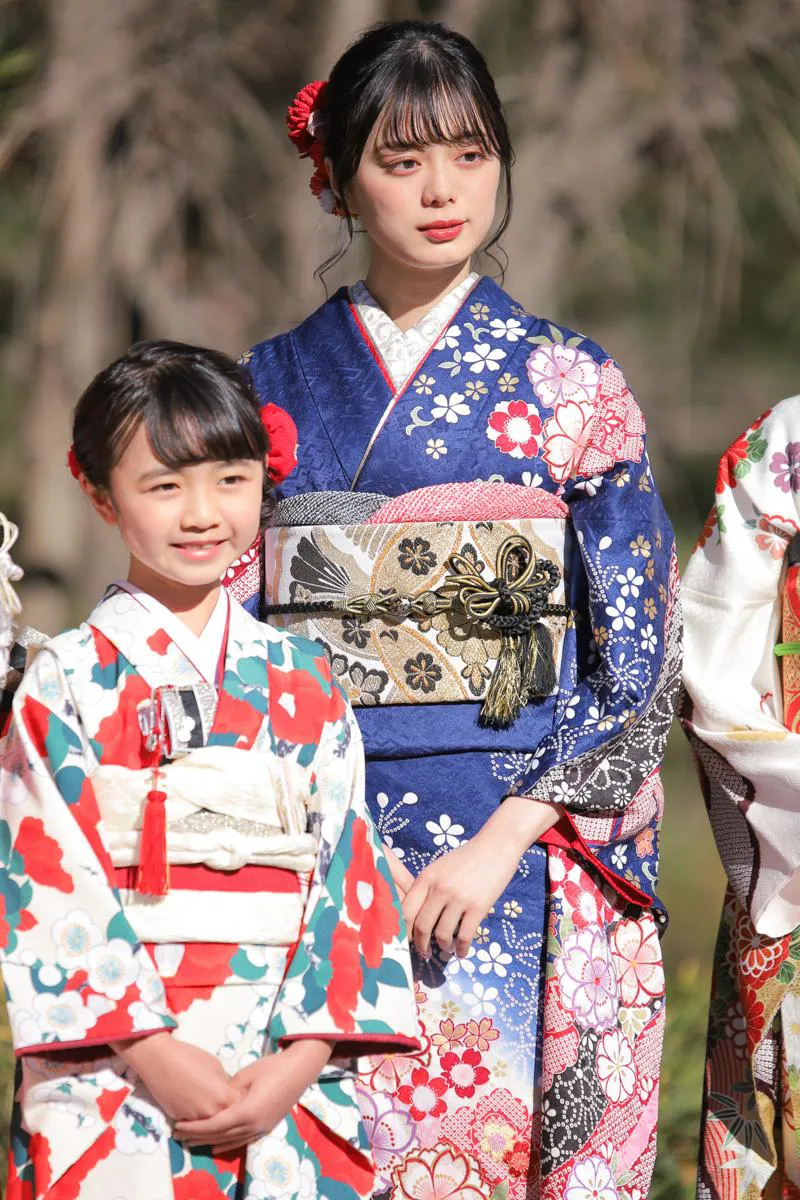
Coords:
442,231
440,225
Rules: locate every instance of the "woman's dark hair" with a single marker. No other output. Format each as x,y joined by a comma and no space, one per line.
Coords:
196,405
426,84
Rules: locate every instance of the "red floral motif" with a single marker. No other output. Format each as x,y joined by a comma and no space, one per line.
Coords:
464,1072
708,528
368,898
73,464
518,1157
582,903
346,976
41,855
759,957
492,1131
299,118
298,706
282,437
423,1094
514,427
197,1185
736,453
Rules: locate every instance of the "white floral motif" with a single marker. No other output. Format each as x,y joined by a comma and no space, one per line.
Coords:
112,968
512,329
591,1179
481,1000
436,448
484,356
615,1067
66,1017
559,374
446,832
649,640
494,959
623,616
630,582
449,339
75,935
450,407
275,1169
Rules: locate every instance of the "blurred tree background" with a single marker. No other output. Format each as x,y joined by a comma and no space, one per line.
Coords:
148,189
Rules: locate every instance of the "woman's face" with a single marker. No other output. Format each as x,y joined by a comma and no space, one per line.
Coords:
425,208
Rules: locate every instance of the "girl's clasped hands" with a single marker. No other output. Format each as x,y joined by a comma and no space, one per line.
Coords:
210,1107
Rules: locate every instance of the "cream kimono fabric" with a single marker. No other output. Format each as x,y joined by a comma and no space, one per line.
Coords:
281,920
750,767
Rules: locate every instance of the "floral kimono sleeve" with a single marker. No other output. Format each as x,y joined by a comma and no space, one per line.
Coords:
74,972
349,978
621,663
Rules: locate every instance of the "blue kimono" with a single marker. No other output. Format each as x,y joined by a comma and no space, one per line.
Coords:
549,1033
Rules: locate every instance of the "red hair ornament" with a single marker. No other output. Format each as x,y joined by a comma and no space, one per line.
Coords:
282,436
305,120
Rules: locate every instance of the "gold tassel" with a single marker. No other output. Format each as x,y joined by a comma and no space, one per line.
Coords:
504,697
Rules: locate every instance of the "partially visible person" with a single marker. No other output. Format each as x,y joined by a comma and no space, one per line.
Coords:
742,715
465,470
199,929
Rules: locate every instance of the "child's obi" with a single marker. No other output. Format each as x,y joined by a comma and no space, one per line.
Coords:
237,841
448,594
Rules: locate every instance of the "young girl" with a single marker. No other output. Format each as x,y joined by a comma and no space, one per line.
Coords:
742,715
527,843
199,928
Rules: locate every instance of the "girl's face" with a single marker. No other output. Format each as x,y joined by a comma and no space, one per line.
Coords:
182,527
427,208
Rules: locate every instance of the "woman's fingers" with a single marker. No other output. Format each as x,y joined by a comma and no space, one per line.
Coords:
469,927
446,926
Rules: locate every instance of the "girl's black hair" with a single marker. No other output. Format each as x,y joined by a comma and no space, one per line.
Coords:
427,84
196,405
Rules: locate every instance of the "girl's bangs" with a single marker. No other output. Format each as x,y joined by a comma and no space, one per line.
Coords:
430,111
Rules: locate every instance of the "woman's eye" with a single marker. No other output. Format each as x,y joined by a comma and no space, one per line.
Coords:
402,166
472,156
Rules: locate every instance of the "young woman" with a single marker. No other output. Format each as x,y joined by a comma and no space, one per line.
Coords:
199,929
742,715
525,842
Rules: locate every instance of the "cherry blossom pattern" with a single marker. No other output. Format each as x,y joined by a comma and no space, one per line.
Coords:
491,1130
586,975
514,427
565,437
423,1094
464,1072
559,373
636,955
785,466
591,1179
439,1175
615,1067
389,1128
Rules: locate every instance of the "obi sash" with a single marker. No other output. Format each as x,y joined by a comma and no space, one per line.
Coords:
229,813
448,594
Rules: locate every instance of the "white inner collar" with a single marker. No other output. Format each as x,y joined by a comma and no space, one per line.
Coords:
402,351
202,650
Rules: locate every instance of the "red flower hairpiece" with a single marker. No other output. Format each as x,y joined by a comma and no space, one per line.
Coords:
73,464
282,435
305,119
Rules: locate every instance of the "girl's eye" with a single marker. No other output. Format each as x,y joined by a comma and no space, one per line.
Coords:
232,479
402,166
165,487
472,156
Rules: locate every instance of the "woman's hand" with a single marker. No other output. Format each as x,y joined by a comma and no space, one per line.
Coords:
450,898
401,875
268,1090
186,1082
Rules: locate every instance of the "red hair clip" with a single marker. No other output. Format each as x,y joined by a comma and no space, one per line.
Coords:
305,119
282,435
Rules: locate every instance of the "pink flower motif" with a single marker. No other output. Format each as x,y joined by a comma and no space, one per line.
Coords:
390,1131
636,953
560,373
439,1175
615,1069
481,1034
591,1179
449,1036
566,435
771,538
586,975
423,1095
514,427
490,1131
464,1072
617,431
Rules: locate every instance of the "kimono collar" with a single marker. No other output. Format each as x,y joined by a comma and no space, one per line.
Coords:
205,650
401,350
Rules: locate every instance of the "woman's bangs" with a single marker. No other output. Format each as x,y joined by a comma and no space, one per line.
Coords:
434,111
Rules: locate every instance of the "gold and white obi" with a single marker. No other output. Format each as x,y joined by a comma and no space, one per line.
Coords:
225,809
404,655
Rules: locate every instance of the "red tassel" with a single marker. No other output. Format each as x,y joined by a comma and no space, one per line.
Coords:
152,878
